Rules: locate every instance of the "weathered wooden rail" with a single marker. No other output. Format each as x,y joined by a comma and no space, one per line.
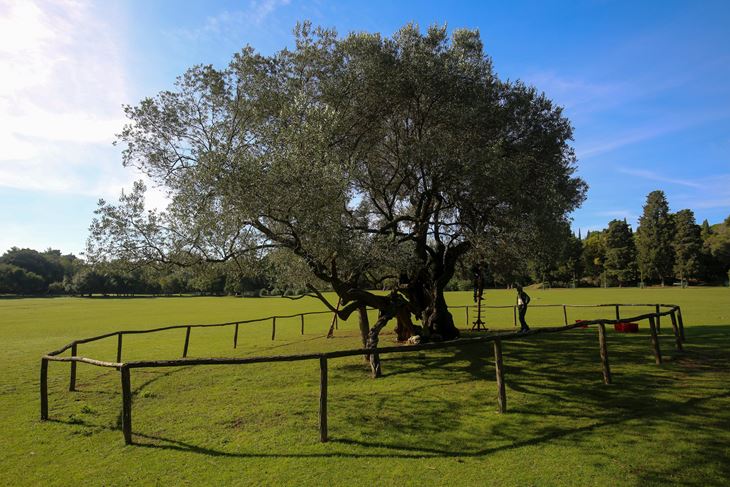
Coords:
125,368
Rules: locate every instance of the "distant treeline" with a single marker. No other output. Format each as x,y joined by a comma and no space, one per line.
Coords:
666,248
29,272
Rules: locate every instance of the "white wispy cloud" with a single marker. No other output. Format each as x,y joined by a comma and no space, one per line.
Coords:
585,99
654,176
580,95
232,23
713,192
62,86
705,192
658,127
636,135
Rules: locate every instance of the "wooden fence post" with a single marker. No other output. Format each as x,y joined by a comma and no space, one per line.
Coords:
302,319
501,397
618,313
273,328
658,320
187,342
323,399
655,341
126,405
375,367
72,381
675,329
604,353
44,389
466,312
119,347
235,337
565,315
514,315
681,323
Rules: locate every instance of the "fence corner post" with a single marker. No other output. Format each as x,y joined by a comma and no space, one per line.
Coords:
126,405
44,389
675,329
323,436
681,323
604,353
72,378
499,369
655,341
187,342
119,347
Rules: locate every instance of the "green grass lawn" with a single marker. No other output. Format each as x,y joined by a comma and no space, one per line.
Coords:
431,420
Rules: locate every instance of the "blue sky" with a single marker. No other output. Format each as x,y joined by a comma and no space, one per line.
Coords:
645,84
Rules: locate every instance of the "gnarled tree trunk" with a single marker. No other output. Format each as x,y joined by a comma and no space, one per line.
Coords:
373,339
404,327
438,319
364,323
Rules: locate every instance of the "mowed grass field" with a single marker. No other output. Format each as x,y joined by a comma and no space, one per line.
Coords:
431,420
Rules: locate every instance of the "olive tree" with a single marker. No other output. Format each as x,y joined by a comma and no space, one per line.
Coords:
361,157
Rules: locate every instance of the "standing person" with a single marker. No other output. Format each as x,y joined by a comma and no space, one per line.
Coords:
522,301
476,271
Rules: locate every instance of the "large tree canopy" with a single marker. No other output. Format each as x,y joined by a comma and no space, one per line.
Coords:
362,157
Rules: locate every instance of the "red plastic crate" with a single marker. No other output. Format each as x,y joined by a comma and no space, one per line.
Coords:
626,327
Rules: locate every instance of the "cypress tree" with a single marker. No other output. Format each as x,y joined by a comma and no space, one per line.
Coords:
687,245
654,239
620,252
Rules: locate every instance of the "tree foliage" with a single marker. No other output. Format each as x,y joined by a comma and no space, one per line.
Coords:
363,157
594,255
654,238
620,261
16,280
717,243
687,245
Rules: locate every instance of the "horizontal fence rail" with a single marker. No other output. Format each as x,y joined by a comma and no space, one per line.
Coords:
496,338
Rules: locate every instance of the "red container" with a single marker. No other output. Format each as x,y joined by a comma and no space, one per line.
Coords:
581,321
626,327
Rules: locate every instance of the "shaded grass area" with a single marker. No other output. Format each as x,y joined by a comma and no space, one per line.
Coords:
431,420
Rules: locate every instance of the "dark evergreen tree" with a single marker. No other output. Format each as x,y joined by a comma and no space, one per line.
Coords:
654,239
718,246
620,261
711,268
687,246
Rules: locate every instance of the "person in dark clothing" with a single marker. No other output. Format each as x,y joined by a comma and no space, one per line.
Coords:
522,301
476,271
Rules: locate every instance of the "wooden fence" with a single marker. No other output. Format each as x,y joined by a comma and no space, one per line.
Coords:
673,311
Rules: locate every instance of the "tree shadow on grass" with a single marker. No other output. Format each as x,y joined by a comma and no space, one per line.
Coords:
411,451
554,376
